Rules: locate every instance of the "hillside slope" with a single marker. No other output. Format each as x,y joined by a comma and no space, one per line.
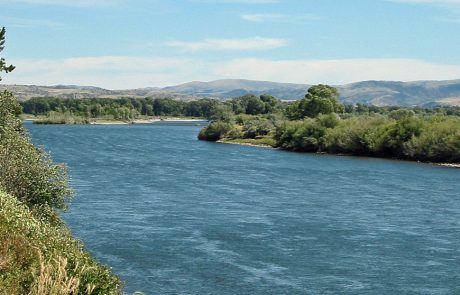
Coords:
380,93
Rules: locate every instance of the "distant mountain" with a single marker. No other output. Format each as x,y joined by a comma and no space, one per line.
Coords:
380,93
25,92
420,93
236,87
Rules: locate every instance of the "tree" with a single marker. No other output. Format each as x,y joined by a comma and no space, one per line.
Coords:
248,104
270,102
320,99
3,66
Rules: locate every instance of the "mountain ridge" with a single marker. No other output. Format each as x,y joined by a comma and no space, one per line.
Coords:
380,93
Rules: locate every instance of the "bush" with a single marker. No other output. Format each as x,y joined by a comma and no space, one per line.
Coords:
26,171
439,141
305,136
215,131
357,135
256,127
38,258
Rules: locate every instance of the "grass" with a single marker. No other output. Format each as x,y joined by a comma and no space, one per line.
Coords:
266,141
37,258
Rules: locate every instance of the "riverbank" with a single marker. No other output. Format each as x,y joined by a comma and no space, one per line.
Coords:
102,121
145,121
262,144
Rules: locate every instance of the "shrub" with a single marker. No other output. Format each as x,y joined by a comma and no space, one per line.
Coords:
39,258
215,131
27,172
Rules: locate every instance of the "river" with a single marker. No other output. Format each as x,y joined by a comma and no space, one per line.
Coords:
174,215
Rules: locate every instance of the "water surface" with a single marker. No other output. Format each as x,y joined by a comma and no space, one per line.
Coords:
174,215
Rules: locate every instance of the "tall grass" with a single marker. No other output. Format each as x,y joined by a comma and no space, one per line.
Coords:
37,258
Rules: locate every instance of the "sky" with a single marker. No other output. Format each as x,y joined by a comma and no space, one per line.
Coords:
121,44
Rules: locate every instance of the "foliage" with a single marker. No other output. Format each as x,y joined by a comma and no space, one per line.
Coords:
26,171
220,112
256,127
320,99
3,66
215,131
38,258
412,138
37,253
62,118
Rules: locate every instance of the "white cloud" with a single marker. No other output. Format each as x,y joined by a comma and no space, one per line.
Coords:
339,71
257,43
428,1
121,72
261,17
71,3
440,3
29,23
237,1
276,17
114,72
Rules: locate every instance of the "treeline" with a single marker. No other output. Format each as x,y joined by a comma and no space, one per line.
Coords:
320,123
132,108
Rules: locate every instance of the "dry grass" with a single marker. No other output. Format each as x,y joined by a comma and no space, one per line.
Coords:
55,278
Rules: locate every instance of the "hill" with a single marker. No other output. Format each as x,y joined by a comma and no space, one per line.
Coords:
380,93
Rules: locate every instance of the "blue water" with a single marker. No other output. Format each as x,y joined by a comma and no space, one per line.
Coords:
174,215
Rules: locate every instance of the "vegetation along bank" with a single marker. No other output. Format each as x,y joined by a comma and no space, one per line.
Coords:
38,255
320,123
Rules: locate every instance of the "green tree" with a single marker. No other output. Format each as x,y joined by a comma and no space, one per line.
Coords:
215,131
221,112
320,99
3,66
270,102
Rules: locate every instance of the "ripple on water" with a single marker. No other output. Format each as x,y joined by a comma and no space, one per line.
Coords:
174,215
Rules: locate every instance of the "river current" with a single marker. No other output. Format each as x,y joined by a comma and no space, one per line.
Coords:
174,215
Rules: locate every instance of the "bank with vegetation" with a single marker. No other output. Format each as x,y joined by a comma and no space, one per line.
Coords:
52,110
320,123
38,255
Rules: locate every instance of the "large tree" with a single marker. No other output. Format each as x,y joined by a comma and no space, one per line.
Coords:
320,99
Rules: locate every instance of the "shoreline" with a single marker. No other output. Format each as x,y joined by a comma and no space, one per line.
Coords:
146,121
446,165
247,144
117,122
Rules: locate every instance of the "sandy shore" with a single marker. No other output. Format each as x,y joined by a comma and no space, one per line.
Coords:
147,121
451,165
245,143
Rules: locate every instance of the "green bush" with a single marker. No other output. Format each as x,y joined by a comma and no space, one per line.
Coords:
215,131
27,172
39,258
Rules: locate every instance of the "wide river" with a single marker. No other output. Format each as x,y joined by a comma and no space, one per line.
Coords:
174,215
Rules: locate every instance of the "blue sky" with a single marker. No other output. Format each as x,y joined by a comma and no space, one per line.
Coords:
121,44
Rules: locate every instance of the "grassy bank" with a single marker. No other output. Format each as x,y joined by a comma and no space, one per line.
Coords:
261,141
37,258
319,124
38,255
434,139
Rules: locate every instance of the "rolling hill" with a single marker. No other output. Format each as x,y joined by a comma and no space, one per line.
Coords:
380,93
